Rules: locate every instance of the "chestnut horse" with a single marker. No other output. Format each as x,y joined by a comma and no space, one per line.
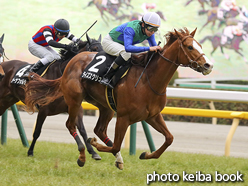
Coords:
11,93
145,102
1,57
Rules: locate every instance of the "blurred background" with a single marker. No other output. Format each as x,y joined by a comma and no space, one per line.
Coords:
20,20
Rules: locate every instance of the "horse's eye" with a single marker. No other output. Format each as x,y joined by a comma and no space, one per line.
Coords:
190,47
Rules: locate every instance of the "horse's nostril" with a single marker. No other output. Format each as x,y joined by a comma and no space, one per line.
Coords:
206,65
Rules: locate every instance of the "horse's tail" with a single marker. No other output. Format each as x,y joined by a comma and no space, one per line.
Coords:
40,91
205,38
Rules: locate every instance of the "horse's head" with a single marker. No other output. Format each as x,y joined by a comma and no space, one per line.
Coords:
94,45
190,53
91,45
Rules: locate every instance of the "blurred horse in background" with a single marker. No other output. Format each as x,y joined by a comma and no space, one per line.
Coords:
233,45
212,16
202,3
110,6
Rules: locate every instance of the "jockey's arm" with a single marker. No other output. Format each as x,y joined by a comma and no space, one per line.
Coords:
56,44
49,39
71,37
128,42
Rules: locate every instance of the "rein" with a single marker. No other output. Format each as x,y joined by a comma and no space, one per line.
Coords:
192,63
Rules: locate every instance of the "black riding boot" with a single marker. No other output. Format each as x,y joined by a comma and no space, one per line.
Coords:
111,71
34,68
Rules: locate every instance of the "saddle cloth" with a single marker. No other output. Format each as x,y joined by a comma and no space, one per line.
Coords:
18,78
99,66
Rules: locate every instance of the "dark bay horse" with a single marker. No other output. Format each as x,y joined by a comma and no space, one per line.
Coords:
1,57
145,102
11,93
234,45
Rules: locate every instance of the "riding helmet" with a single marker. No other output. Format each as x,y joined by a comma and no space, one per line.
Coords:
62,26
151,19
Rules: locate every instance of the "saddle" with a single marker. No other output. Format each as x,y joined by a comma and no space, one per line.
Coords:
18,78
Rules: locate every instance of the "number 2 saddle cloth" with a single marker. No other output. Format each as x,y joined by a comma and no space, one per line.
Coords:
98,67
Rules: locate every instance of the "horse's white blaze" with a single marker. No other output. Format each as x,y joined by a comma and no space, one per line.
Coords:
198,48
1,59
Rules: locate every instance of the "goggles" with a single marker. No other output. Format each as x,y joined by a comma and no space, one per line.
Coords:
151,28
62,33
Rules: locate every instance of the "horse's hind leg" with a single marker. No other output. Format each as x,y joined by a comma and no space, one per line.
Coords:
39,123
82,131
71,126
157,122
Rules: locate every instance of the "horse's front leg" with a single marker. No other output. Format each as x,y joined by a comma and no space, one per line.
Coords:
120,130
157,122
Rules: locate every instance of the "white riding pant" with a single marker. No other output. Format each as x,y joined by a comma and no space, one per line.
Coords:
115,49
46,54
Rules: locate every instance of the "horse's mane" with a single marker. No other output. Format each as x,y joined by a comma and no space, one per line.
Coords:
171,37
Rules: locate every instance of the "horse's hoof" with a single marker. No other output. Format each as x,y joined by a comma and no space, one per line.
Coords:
30,154
143,156
119,165
89,140
96,156
80,163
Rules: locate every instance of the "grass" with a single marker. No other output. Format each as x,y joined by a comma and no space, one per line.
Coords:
55,164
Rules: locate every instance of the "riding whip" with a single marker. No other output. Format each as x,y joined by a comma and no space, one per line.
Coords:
146,66
74,45
86,31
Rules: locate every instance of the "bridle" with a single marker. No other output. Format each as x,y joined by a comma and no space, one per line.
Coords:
192,63
91,44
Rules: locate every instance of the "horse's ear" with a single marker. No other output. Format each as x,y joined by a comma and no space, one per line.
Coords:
193,33
1,39
178,34
100,38
88,39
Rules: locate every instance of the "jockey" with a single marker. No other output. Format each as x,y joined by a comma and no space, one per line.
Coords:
121,41
47,36
243,14
226,6
230,31
147,6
